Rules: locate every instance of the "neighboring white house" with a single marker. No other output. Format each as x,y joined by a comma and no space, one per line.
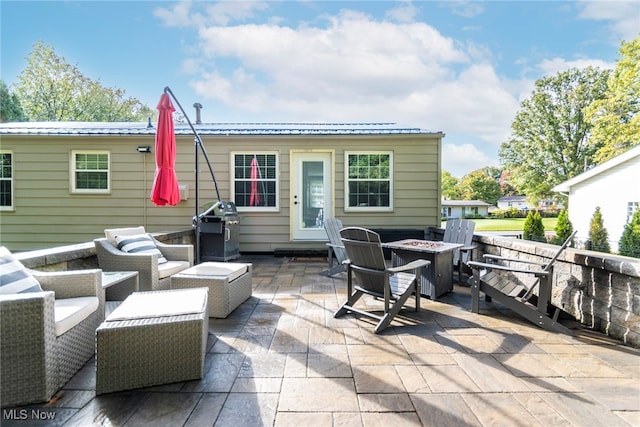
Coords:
518,202
464,209
614,186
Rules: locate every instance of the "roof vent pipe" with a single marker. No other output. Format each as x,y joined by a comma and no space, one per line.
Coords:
198,107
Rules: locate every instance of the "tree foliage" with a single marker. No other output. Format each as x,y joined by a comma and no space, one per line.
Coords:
616,117
50,89
481,184
10,108
533,227
564,228
549,139
449,186
598,235
629,244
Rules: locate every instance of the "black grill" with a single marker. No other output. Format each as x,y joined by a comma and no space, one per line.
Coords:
217,231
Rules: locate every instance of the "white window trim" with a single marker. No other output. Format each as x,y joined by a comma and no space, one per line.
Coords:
12,180
232,177
348,208
72,172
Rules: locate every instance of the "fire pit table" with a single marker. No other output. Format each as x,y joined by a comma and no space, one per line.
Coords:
436,279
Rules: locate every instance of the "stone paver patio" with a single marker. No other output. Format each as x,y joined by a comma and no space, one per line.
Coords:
281,359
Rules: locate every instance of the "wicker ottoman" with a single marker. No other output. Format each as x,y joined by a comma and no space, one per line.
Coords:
229,284
152,338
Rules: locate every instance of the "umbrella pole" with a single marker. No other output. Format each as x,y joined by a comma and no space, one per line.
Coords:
198,144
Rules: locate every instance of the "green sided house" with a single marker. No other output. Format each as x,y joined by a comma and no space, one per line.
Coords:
65,182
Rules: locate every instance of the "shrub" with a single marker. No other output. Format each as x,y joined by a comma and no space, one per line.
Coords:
533,227
629,244
563,229
598,235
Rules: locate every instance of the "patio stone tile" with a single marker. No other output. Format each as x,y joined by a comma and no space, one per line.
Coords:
257,385
318,395
325,336
263,365
477,344
220,372
296,365
249,409
164,409
378,355
581,409
530,365
207,409
540,410
433,359
617,394
307,419
489,374
499,409
412,380
589,366
402,419
329,365
386,402
347,419
443,410
377,379
448,379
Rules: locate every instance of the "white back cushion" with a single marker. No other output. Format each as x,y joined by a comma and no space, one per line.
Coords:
14,277
139,244
112,233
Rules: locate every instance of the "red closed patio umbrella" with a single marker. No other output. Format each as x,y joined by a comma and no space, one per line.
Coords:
165,190
254,199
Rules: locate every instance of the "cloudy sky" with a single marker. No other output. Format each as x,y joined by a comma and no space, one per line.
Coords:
460,67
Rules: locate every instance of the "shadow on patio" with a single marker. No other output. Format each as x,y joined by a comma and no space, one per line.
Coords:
282,359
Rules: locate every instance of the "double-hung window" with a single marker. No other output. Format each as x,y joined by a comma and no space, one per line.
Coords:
255,181
90,172
369,177
6,181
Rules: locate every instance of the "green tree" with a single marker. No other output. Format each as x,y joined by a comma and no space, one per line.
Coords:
50,89
533,227
616,117
449,185
629,244
549,138
10,108
598,235
564,228
481,184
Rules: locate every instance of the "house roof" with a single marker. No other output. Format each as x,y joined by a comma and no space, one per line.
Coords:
512,199
141,128
464,203
622,158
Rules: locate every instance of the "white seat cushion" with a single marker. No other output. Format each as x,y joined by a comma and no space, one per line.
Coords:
170,268
146,305
69,312
231,270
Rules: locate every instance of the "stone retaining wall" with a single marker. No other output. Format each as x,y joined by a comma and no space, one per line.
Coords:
600,290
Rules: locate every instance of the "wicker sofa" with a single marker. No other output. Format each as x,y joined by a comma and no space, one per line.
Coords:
152,274
47,335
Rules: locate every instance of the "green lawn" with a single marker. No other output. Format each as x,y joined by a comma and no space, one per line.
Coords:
509,224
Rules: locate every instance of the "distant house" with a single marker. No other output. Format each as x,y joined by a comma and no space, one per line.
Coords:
452,209
65,182
614,186
518,202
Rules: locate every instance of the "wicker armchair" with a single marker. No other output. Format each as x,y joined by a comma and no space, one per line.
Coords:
152,275
43,345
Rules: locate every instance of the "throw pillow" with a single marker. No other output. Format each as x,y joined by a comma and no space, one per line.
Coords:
139,244
14,277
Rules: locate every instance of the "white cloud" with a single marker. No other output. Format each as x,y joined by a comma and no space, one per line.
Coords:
553,66
461,159
624,17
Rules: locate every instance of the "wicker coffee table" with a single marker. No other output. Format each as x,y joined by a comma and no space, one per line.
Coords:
152,338
229,284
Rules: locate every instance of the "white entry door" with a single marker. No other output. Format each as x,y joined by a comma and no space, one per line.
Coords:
312,193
